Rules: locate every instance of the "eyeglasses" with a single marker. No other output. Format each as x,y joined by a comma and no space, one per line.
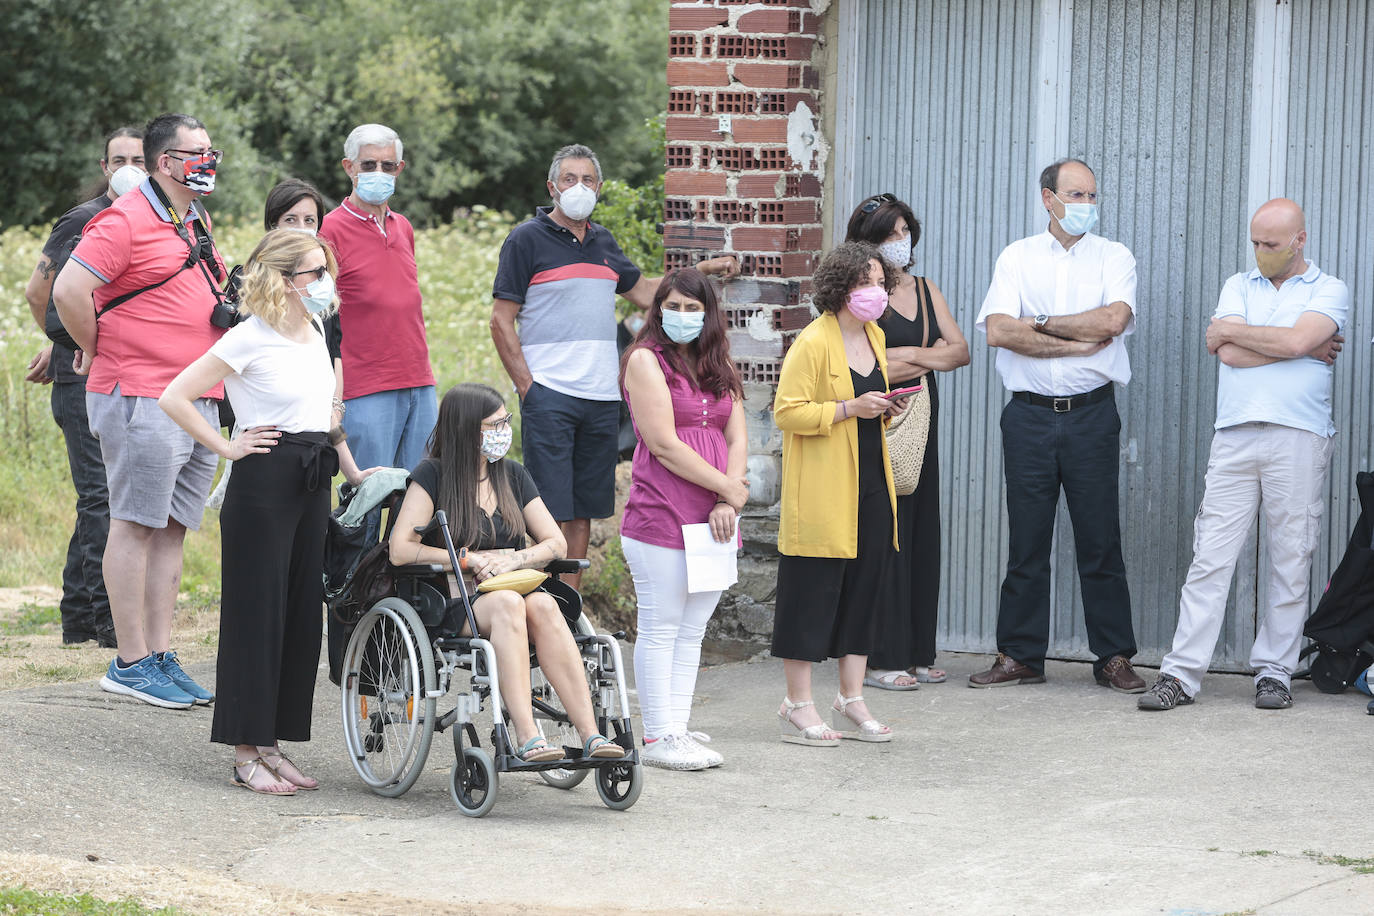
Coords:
218,154
370,165
319,272
877,201
1077,197
502,423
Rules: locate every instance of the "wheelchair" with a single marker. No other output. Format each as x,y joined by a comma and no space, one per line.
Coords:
404,656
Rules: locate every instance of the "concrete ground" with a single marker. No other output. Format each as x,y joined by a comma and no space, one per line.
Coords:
1059,798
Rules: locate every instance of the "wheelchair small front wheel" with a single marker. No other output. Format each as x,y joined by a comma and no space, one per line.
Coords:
472,782
619,784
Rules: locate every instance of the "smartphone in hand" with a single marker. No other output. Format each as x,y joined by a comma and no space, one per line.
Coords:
903,392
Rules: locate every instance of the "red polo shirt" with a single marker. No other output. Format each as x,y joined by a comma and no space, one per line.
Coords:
380,310
144,342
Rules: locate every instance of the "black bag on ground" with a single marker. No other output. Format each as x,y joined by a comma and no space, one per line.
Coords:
1342,626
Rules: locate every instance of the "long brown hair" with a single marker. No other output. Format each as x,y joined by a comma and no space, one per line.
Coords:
710,352
456,444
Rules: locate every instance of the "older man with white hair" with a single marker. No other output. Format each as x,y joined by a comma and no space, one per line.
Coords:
388,382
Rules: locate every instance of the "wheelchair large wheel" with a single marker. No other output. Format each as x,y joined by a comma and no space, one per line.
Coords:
619,784
472,782
388,697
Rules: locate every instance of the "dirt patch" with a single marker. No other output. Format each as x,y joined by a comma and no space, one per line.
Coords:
204,893
32,653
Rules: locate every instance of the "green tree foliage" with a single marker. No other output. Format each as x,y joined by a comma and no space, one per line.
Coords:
482,92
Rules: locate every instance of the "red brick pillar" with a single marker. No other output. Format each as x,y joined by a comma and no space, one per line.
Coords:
744,165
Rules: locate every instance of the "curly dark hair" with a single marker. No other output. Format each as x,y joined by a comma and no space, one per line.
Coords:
844,269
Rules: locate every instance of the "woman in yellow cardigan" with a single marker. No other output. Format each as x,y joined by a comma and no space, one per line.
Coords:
837,531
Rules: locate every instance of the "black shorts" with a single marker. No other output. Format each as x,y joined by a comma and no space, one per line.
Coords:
570,446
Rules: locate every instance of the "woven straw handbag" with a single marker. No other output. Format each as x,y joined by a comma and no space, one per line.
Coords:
908,431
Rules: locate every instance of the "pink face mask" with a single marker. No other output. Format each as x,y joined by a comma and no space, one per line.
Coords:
867,303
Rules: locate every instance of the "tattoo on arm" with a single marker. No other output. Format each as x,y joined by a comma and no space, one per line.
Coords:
47,269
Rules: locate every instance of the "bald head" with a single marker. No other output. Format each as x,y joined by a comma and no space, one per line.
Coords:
1280,215
1278,230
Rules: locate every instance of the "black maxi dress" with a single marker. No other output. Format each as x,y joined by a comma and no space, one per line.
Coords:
907,618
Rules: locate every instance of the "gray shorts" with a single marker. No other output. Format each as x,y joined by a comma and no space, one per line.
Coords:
155,470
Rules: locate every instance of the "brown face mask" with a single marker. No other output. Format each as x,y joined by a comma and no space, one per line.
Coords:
1272,263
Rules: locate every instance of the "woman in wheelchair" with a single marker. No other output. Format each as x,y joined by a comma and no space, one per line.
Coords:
492,504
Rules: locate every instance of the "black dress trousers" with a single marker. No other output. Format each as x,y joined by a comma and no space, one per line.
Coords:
273,527
1079,451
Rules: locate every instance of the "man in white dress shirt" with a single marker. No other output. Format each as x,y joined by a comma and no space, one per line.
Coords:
1058,309
1277,332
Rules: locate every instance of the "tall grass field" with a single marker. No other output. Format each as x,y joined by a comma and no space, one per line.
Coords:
37,504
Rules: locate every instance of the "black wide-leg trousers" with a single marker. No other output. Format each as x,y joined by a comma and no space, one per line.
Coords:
273,528
1079,451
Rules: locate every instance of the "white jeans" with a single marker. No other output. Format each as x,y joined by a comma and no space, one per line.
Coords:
1253,467
672,622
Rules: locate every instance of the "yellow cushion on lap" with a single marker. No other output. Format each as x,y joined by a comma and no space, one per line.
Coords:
523,581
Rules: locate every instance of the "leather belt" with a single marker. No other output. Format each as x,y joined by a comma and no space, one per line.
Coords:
1065,404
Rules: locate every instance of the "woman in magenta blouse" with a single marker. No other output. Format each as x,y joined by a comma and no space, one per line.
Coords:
689,468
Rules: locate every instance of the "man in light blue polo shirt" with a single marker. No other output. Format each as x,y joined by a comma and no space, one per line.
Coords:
1277,332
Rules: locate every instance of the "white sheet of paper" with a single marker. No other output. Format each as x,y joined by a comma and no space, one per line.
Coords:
711,565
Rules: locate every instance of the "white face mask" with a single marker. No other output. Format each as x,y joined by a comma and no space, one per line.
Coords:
126,178
897,252
496,442
576,202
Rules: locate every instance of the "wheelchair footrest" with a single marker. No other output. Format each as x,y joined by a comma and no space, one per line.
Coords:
510,763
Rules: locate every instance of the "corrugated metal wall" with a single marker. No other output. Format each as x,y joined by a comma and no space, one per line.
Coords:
945,107
950,94
1330,171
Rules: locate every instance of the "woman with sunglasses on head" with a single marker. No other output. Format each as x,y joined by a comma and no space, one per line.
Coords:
922,338
685,399
275,369
492,504
837,522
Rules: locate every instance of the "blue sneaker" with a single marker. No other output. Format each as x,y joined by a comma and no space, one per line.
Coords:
167,661
146,681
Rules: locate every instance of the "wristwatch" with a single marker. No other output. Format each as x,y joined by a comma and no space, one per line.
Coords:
1040,321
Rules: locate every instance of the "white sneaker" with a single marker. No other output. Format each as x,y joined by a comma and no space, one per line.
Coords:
701,739
674,752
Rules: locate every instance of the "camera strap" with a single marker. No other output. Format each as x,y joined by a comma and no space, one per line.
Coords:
195,253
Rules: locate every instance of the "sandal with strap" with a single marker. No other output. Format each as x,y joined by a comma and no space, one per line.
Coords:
598,746
887,680
867,730
928,675
811,735
310,786
247,782
537,750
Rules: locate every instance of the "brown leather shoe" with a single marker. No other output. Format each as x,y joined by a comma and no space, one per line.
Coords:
1119,675
1005,672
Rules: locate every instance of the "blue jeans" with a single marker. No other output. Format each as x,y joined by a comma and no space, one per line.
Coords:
390,429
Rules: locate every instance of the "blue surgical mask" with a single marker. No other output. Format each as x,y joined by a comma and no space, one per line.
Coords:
376,187
317,295
683,327
1078,218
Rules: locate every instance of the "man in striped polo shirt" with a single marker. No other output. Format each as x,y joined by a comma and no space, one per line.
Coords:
558,277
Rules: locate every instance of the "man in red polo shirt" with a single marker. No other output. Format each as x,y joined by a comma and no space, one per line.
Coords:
147,268
388,383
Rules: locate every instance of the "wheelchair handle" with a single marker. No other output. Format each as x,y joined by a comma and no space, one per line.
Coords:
557,567
440,520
